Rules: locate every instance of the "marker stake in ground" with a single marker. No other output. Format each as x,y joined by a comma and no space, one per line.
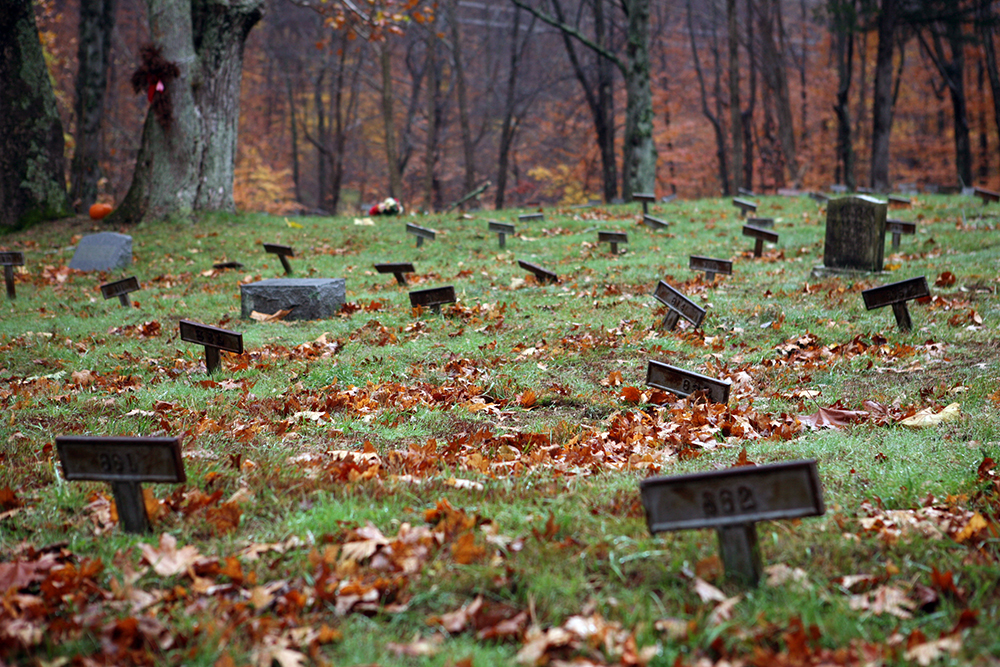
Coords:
897,228
759,236
646,198
654,223
710,266
683,383
745,206
283,252
986,195
433,297
121,289
679,305
8,260
529,217
213,339
541,275
396,269
896,295
501,229
614,238
421,233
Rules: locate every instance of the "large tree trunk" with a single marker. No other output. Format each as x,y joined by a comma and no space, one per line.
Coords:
468,147
32,166
640,150
843,34
735,114
776,81
748,113
97,21
953,73
720,135
985,21
389,122
430,154
882,95
187,165
509,126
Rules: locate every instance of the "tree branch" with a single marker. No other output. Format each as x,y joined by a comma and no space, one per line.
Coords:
573,32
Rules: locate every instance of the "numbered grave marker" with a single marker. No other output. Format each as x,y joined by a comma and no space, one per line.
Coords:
654,223
8,260
759,236
528,217
897,228
743,192
710,266
125,463
679,305
398,270
646,198
896,295
745,206
986,195
433,297
819,197
541,275
614,238
213,339
283,252
501,229
732,501
899,201
227,265
761,223
684,383
421,233
121,289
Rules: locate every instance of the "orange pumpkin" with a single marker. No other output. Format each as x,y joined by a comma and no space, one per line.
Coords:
98,211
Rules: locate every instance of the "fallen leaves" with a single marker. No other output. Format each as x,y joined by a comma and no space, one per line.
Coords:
168,560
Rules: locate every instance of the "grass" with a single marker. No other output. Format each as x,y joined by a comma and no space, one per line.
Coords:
500,425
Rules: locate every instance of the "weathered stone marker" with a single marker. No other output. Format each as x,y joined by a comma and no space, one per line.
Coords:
896,295
8,260
107,251
528,217
761,223
213,339
125,463
710,266
307,298
855,234
819,197
501,229
398,270
646,198
541,275
898,227
745,206
421,233
679,305
684,383
614,238
986,195
121,289
654,223
899,201
838,189
732,501
433,297
283,252
759,236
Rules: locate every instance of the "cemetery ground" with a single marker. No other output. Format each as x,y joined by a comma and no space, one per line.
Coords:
395,486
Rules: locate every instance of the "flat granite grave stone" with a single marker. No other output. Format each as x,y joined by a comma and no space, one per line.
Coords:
307,298
732,501
107,251
855,235
8,260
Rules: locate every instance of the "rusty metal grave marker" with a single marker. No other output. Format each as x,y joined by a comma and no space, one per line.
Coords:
125,463
541,275
432,297
896,295
528,217
732,501
8,260
121,289
283,252
986,195
899,201
654,223
398,270
759,236
897,228
684,383
710,266
227,265
646,198
678,305
213,339
501,229
745,206
421,233
614,238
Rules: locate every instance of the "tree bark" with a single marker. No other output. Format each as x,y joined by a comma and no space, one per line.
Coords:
882,95
432,119
952,72
468,147
720,135
748,113
735,113
509,125
389,123
32,166
843,26
640,150
985,22
97,21
776,81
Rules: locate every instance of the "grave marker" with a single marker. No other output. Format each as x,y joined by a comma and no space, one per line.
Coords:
541,275
759,236
819,197
614,238
8,260
283,252
896,295
855,234
654,223
646,198
679,305
732,501
307,298
710,266
528,217
106,251
227,265
745,193
745,206
502,229
986,195
121,289
898,201
684,383
125,463
398,270
898,227
433,297
761,223
213,339
838,189
421,233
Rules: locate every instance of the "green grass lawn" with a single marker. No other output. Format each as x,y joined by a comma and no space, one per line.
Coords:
395,486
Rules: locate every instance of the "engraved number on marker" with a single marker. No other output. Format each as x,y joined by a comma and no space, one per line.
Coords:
114,464
726,503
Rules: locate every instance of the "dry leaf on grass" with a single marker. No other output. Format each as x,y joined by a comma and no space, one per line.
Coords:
927,417
274,317
707,592
168,560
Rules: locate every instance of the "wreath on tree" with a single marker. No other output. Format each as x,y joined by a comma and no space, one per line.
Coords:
153,76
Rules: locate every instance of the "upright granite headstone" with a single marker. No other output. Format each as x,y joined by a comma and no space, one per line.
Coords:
855,234
106,251
308,298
